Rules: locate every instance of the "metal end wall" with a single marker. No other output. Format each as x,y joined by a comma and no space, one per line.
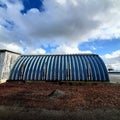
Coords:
60,67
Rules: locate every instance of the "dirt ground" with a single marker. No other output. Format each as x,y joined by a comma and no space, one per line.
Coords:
84,102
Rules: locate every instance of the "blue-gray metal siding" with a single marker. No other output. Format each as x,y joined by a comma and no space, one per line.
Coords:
60,67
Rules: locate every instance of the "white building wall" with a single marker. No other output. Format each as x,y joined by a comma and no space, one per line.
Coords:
7,60
2,56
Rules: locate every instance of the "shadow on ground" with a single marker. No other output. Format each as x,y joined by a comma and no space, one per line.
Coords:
17,113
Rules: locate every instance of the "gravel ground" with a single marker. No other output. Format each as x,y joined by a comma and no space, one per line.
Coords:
32,101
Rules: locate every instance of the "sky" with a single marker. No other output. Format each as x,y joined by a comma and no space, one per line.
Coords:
62,27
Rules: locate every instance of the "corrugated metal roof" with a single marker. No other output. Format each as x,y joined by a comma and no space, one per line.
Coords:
60,67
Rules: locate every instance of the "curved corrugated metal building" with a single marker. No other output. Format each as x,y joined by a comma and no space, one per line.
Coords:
82,67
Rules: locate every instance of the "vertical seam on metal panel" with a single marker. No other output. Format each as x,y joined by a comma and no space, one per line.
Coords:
32,77
51,69
59,67
26,68
81,64
70,68
48,68
92,68
29,68
40,75
62,67
77,67
37,67
46,60
100,66
13,73
55,68
89,65
97,68
17,74
104,68
73,62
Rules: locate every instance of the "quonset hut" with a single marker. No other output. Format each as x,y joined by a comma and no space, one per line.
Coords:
82,67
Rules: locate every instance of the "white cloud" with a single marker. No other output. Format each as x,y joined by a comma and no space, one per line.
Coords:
16,48
66,49
71,21
12,47
113,55
62,2
113,60
38,51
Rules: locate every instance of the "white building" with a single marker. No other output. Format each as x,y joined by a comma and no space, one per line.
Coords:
7,60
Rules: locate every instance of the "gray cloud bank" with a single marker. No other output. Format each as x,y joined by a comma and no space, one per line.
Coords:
72,21
64,23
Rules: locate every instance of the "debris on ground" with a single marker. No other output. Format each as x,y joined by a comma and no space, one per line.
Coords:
56,94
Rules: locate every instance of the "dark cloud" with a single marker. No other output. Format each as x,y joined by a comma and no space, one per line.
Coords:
3,5
8,24
62,23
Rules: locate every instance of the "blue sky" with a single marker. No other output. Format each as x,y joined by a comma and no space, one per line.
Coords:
29,4
101,46
62,26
